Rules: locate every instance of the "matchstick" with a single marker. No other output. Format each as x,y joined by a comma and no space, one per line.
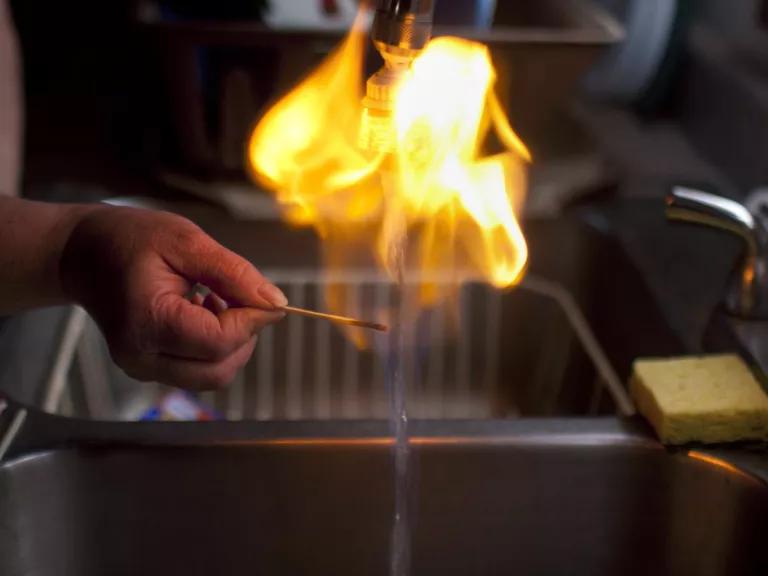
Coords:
338,319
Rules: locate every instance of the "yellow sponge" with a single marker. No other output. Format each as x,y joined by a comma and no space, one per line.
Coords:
700,399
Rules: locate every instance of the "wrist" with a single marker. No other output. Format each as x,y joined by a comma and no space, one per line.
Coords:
67,261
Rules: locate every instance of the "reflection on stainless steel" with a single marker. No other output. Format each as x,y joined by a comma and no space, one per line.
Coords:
748,294
589,497
8,435
722,464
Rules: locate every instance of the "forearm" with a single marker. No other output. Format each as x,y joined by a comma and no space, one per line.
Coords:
33,236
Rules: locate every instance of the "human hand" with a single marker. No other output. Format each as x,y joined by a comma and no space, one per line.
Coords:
133,270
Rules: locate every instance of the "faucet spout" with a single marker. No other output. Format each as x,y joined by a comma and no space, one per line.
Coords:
747,296
401,29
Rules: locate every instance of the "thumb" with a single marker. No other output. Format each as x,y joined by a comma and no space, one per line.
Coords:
230,276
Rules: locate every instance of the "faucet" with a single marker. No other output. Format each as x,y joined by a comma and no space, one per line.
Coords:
747,295
746,299
401,29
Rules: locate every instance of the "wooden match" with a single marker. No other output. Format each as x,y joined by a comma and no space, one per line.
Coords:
346,321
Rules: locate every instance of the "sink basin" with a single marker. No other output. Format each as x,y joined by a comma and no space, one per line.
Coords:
593,497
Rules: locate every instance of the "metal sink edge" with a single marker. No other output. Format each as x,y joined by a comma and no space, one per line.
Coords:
40,431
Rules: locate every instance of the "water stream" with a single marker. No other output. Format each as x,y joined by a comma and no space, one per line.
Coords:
400,555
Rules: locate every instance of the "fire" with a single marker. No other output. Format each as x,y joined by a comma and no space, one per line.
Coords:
457,207
440,119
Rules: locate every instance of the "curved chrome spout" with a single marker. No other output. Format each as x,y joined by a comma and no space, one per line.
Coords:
748,294
697,207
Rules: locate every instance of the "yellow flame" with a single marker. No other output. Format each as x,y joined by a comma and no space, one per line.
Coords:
305,147
459,208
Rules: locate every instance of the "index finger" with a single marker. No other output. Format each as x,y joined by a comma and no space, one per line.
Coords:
229,275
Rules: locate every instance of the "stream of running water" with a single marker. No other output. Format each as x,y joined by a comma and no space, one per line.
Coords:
400,554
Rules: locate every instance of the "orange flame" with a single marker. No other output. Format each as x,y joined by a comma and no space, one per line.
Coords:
458,208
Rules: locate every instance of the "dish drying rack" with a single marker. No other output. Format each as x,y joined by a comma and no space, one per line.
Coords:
305,369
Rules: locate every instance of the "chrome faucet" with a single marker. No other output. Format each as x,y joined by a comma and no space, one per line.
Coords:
402,27
747,295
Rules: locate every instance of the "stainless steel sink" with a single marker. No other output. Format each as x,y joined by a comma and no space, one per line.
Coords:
591,497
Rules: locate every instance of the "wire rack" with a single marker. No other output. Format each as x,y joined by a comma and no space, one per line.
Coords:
526,352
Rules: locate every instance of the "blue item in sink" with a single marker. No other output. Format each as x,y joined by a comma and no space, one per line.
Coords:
180,406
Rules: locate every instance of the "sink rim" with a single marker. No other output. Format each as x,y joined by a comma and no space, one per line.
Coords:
42,432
